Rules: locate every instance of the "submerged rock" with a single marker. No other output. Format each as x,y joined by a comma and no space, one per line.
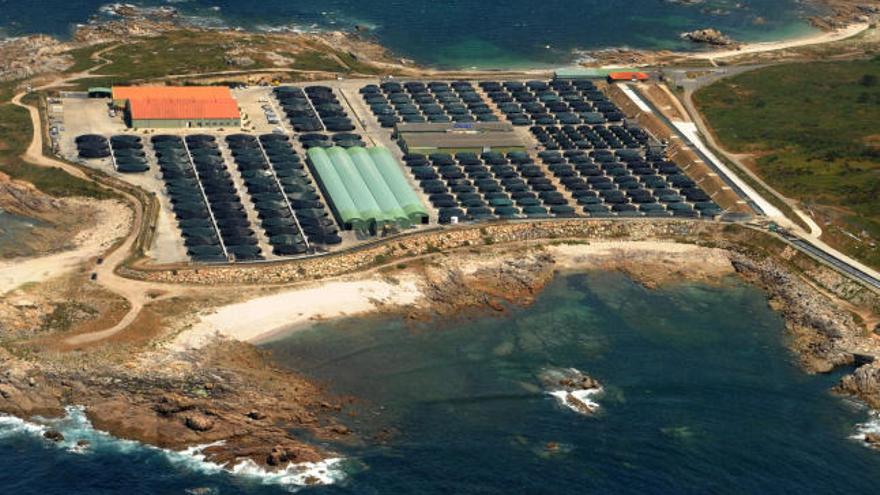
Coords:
573,389
54,436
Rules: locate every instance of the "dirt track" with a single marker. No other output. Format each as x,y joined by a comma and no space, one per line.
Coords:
136,293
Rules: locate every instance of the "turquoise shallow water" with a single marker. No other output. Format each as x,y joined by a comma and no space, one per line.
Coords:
701,397
465,33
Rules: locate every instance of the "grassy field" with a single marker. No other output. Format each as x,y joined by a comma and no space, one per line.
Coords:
82,57
195,52
815,131
15,135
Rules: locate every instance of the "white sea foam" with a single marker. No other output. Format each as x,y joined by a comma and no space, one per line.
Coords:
288,28
10,426
870,426
579,401
76,427
326,472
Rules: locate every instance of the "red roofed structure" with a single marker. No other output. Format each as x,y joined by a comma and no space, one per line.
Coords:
627,76
178,106
166,109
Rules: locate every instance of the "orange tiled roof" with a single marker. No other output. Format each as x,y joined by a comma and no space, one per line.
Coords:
183,109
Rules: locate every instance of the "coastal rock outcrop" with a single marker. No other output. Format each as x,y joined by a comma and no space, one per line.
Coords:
824,336
709,36
864,383
278,456
210,399
198,422
573,389
24,199
448,290
53,435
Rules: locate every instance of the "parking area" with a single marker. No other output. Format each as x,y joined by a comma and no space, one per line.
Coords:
259,112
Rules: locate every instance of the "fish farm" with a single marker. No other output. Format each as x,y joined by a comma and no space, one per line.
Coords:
367,188
313,109
418,103
550,103
289,209
435,153
125,152
591,161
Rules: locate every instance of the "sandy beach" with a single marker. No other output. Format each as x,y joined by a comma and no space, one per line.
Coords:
259,319
769,46
262,318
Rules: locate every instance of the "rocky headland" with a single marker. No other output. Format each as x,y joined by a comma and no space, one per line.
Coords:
709,36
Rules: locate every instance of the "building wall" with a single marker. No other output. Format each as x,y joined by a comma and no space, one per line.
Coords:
452,151
184,124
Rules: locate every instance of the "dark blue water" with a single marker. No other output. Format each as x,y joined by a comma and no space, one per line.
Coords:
701,397
465,33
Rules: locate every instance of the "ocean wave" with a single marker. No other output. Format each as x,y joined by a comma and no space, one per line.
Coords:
80,437
579,401
578,389
872,425
326,472
11,426
290,28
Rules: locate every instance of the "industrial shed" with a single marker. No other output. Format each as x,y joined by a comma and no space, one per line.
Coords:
177,106
172,113
459,138
365,188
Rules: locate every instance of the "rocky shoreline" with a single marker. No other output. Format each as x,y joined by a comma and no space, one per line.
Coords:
230,392
231,397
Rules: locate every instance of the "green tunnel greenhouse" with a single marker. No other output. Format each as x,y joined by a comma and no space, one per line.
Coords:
366,188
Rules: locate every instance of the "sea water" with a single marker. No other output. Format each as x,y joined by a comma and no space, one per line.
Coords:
699,395
463,33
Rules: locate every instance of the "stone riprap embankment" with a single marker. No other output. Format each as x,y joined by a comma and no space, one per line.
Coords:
408,246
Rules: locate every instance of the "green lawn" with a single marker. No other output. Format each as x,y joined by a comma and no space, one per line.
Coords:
816,130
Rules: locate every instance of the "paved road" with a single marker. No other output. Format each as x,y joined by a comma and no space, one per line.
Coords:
690,86
807,242
752,198
817,252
